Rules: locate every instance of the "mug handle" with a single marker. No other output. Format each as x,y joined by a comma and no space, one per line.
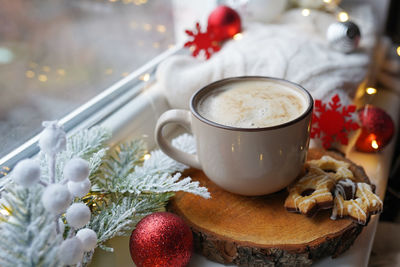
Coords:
181,117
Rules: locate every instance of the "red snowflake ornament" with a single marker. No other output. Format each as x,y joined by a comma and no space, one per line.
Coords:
202,41
332,124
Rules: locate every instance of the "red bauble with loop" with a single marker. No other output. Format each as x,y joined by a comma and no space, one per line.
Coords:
224,22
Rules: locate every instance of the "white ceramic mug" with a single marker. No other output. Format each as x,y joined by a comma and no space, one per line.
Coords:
246,161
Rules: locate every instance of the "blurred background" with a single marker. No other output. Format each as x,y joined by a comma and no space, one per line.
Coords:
57,54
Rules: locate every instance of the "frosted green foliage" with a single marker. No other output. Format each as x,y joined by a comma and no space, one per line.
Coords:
161,163
85,143
29,237
118,165
88,144
121,216
138,187
155,175
130,187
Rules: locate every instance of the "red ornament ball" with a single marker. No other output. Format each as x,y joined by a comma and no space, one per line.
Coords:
161,239
224,22
377,129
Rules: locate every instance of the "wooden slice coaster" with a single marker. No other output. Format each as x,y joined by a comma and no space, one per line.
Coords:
258,231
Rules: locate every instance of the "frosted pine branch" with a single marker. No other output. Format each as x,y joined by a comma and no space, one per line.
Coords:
168,183
29,237
133,188
155,175
88,144
119,165
121,216
145,186
96,159
159,162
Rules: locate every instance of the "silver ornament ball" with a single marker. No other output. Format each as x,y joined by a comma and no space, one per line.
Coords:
343,36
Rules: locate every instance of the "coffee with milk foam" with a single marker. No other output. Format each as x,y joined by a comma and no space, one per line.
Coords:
252,104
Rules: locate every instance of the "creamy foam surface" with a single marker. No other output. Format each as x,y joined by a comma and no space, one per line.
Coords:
252,104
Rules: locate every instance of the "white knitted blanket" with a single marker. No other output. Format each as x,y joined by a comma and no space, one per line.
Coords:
295,49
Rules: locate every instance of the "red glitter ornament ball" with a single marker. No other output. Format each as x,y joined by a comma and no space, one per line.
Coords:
224,22
377,129
161,239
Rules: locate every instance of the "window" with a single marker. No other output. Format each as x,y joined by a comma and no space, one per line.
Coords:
56,55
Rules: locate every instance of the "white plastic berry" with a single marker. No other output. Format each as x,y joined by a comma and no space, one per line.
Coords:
53,139
26,173
71,251
56,198
78,215
88,238
79,189
76,170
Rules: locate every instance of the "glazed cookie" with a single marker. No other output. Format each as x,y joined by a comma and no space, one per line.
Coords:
360,206
311,193
340,169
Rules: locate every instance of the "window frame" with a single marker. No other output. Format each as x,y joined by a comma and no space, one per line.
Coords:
96,110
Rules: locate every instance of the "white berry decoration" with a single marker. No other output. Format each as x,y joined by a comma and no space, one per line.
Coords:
26,173
88,238
56,198
79,189
71,251
53,139
76,170
78,215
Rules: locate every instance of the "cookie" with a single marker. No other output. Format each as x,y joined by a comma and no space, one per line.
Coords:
311,193
336,168
360,207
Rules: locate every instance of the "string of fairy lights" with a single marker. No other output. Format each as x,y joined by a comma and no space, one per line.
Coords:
368,92
44,73
4,170
341,15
